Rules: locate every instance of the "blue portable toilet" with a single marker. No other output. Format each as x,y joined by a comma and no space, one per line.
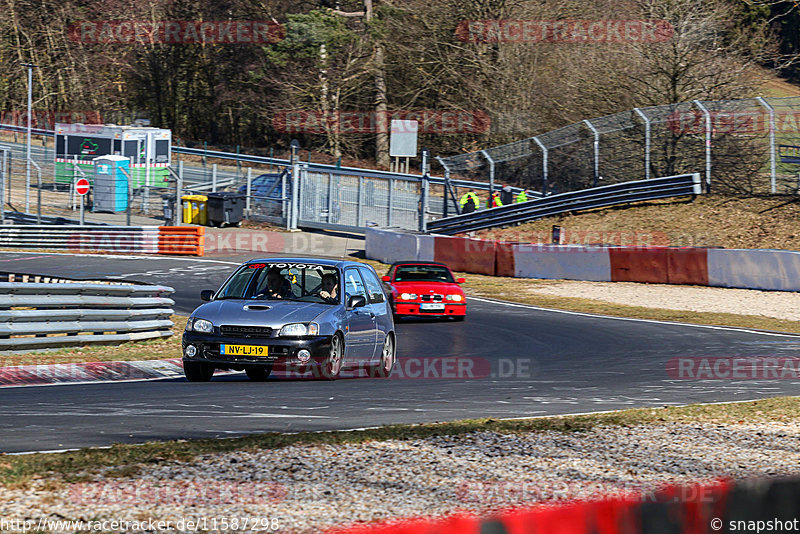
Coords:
110,183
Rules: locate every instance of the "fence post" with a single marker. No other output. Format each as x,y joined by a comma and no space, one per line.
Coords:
294,215
423,203
214,178
389,203
360,206
7,171
596,151
330,197
178,195
772,159
491,174
249,188
3,185
707,115
646,142
544,165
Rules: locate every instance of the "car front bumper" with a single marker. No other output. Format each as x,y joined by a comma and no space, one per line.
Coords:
280,351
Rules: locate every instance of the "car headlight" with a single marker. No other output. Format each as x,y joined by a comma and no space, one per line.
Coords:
408,296
201,325
454,298
300,329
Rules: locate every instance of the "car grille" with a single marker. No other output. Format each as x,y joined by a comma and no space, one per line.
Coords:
428,298
245,331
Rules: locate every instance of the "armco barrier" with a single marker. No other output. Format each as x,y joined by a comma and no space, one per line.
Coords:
106,239
79,313
747,506
638,265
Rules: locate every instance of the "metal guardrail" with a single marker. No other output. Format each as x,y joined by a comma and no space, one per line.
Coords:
27,218
597,197
79,313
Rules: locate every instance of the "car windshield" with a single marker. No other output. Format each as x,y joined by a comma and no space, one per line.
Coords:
300,282
423,273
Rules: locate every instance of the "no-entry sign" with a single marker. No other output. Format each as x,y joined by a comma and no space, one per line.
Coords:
82,186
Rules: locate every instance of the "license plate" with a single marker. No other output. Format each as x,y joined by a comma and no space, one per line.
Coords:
431,307
243,350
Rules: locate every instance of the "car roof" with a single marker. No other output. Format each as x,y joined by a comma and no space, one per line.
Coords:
319,261
417,262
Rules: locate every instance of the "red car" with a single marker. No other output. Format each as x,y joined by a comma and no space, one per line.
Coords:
425,289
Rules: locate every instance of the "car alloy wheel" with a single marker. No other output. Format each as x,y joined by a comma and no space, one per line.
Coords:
386,364
333,365
198,371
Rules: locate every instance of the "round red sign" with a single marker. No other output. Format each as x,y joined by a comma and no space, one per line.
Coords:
82,186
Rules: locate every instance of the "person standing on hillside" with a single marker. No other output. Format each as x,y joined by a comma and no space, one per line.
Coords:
521,197
506,195
469,202
494,201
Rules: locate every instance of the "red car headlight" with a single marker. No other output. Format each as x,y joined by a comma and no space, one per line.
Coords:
455,298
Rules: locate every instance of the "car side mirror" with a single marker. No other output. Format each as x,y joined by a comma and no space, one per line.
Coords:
356,301
460,280
207,294
386,278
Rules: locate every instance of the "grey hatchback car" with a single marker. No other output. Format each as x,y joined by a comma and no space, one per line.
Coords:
301,314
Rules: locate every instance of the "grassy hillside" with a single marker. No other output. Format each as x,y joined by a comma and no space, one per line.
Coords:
708,221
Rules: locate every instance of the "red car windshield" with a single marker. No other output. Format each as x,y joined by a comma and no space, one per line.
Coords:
423,273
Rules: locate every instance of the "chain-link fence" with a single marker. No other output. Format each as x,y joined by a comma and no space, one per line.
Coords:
749,146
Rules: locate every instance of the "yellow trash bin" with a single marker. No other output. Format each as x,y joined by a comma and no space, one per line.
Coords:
194,209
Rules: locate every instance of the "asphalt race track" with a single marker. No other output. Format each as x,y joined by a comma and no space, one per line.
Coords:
524,362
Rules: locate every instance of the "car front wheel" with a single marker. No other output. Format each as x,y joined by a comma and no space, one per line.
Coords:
198,371
333,364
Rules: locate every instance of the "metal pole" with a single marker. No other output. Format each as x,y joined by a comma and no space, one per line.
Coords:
38,195
708,143
491,174
82,217
423,224
295,192
330,197
147,141
646,142
389,204
772,159
214,178
249,187
544,164
130,198
360,205
284,202
596,151
3,186
6,169
178,195
28,143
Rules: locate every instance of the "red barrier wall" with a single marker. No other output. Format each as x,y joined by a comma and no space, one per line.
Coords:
687,266
639,265
466,255
504,259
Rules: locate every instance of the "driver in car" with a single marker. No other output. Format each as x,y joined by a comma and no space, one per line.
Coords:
278,287
329,288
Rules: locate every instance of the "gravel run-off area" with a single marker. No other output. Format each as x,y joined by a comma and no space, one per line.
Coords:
778,304
311,487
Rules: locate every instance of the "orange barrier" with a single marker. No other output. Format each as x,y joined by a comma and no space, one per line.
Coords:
687,266
679,509
184,240
466,255
639,265
504,259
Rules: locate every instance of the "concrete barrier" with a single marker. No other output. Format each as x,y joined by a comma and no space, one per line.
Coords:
466,255
562,262
754,269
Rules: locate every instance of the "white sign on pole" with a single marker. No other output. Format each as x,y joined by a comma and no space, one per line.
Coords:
403,140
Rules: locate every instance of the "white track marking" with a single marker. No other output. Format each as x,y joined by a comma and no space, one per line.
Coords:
652,321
